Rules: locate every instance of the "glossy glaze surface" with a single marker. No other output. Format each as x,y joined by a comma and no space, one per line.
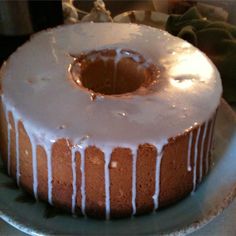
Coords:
37,88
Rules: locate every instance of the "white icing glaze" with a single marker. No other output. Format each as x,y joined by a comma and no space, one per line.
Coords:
209,145
211,157
157,181
82,187
35,172
43,79
8,144
195,159
48,149
117,58
189,167
107,158
6,112
74,186
17,151
202,150
134,160
34,143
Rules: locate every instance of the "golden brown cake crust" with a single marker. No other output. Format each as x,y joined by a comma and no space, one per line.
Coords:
176,181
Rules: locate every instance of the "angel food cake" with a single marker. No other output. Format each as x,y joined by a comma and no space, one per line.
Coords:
108,120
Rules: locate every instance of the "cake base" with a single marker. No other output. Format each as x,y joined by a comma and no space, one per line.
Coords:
29,217
138,182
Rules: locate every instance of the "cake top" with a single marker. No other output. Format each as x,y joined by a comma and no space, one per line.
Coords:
37,86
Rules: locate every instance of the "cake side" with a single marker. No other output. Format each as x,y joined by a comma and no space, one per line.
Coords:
140,180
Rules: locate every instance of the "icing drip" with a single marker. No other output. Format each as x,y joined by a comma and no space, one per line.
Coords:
48,149
212,136
189,167
209,145
202,149
134,153
157,185
17,152
6,112
8,145
8,140
73,167
116,61
83,192
35,172
34,144
107,157
195,160
34,164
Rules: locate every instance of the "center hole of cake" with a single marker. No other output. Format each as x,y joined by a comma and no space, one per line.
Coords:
112,71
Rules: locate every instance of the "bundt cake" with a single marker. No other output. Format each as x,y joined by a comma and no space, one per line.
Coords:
108,120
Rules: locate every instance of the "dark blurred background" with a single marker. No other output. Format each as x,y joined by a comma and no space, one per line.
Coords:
118,6
21,18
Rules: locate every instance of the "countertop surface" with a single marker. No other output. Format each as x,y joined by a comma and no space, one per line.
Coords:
222,225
